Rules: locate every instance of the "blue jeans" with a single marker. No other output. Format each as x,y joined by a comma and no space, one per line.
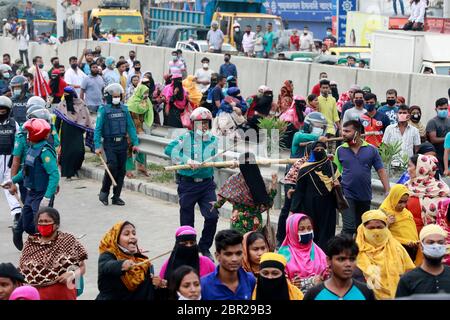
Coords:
402,7
191,193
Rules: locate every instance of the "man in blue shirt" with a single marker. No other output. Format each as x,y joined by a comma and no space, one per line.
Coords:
229,281
390,108
355,159
341,252
228,69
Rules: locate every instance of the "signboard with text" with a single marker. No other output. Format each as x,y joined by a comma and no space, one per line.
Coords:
301,10
342,8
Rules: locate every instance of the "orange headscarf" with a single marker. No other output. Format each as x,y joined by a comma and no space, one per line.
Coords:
246,264
110,243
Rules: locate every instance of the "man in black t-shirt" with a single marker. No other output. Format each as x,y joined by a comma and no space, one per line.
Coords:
432,276
341,252
437,128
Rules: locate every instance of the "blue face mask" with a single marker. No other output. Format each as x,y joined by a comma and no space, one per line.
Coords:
369,107
305,238
442,114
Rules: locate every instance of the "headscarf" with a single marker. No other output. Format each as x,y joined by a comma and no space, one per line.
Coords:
425,148
296,113
194,94
382,264
138,105
151,83
110,243
25,293
246,263
285,97
418,125
110,62
264,103
306,260
57,85
74,111
182,255
442,220
278,288
404,229
425,187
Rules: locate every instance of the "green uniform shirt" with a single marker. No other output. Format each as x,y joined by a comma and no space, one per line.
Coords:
190,146
300,137
98,133
50,165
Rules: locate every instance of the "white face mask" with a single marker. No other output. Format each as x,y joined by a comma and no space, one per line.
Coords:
317,131
434,250
115,100
205,65
181,297
17,92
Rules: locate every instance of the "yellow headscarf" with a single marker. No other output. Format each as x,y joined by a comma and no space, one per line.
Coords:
382,264
404,228
194,95
294,292
133,277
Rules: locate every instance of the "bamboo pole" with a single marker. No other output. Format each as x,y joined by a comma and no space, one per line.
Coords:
152,259
225,164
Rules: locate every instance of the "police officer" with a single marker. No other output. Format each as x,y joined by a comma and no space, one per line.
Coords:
5,77
8,129
197,185
35,110
113,124
39,174
20,96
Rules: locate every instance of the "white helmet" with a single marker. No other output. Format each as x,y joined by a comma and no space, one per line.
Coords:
114,88
5,68
5,102
201,113
36,100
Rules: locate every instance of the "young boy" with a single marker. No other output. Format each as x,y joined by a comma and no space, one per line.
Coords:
229,281
341,257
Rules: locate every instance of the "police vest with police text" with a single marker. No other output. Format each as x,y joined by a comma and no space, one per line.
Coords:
19,110
7,136
115,124
35,176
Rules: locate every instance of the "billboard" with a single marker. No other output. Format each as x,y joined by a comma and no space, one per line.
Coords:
343,7
360,27
301,10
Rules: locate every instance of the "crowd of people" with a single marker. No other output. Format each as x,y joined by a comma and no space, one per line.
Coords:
396,250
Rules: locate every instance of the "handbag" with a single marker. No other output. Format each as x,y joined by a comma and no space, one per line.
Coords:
269,232
186,117
341,201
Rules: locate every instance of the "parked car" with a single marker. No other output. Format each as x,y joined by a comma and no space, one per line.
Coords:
203,46
168,36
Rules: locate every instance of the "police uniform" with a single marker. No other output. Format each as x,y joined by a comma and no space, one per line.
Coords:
196,186
19,109
113,125
7,135
40,176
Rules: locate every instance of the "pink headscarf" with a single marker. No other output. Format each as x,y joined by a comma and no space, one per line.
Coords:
168,93
25,293
184,230
306,260
291,114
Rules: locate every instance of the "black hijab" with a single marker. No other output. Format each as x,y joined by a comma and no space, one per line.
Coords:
264,104
178,84
54,84
272,289
183,255
300,106
253,178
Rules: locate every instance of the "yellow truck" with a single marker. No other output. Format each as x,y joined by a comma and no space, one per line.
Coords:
128,24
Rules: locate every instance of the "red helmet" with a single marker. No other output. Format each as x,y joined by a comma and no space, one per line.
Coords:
38,129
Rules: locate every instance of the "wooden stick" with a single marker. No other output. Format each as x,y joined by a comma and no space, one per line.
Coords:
152,259
16,195
107,170
225,164
373,133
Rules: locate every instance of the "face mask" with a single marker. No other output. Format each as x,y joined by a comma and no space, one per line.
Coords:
226,59
305,238
328,33
54,77
74,66
415,117
247,32
442,114
205,66
391,102
115,101
137,69
174,58
191,40
3,116
17,92
127,69
359,102
402,117
45,230
41,66
319,155
317,131
56,65
434,250
6,75
369,107
376,237
181,297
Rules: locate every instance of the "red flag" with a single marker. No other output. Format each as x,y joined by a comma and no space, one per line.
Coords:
41,87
